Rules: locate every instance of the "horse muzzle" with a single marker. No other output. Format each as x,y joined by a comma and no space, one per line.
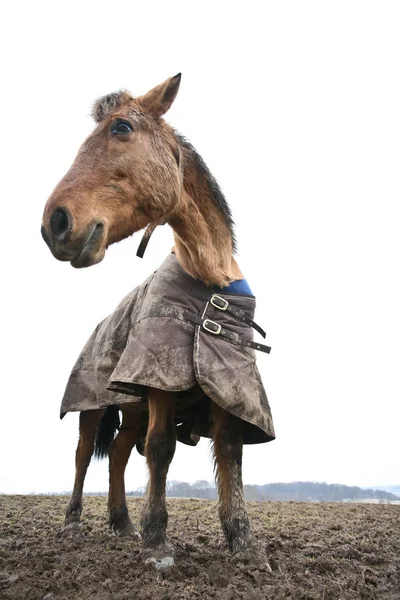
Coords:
83,249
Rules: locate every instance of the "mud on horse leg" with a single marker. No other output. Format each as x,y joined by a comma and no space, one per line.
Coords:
88,422
120,451
159,451
228,450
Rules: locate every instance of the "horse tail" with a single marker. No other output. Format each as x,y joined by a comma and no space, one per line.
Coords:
109,424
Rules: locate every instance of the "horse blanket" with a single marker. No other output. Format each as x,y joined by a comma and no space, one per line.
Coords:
164,334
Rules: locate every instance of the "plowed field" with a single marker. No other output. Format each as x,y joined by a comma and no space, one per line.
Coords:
309,552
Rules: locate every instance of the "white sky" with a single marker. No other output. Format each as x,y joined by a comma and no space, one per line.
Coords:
295,107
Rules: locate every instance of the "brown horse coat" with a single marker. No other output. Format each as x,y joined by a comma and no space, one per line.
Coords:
150,341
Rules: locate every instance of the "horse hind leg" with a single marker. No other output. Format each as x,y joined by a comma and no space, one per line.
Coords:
228,451
159,451
88,423
120,450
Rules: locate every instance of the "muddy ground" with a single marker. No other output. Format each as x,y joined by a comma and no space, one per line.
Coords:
313,552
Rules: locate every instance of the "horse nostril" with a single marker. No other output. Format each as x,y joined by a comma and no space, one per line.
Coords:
60,224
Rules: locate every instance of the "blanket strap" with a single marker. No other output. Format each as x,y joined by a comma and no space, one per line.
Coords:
216,329
223,304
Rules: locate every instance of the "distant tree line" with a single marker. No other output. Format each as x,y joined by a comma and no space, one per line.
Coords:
310,491
301,491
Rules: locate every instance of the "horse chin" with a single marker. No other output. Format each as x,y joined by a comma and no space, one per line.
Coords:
93,251
86,259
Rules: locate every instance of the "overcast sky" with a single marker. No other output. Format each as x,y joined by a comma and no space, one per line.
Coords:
295,107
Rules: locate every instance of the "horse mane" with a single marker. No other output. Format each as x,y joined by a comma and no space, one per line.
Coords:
206,179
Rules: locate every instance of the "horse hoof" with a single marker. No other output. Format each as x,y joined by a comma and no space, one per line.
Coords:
161,564
161,557
72,529
129,532
253,556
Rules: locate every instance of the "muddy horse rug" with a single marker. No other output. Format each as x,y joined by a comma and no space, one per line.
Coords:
175,333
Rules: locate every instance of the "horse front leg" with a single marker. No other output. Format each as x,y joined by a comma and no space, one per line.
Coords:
120,450
88,422
159,451
228,451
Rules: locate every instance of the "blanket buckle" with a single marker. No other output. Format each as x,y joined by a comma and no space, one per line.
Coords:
212,326
219,302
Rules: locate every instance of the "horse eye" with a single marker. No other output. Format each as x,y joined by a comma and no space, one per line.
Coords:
121,128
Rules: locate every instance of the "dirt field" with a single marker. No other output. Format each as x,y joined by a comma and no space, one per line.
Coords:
314,552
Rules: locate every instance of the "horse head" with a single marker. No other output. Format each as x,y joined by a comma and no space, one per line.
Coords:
125,176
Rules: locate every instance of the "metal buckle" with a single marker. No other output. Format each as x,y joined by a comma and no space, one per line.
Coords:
215,299
212,326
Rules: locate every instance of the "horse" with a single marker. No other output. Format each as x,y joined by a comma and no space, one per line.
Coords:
134,171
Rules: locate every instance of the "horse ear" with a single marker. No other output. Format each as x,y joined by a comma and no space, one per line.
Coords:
158,100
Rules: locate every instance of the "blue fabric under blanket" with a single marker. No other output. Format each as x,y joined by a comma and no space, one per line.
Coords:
240,286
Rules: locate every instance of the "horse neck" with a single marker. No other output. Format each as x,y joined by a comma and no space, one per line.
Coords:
203,238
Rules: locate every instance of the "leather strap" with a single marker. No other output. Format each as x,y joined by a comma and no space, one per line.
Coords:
223,304
214,328
145,240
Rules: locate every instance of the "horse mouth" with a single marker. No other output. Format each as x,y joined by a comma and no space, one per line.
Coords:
93,251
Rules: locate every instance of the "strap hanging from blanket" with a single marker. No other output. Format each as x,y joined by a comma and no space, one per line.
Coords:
216,329
223,304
